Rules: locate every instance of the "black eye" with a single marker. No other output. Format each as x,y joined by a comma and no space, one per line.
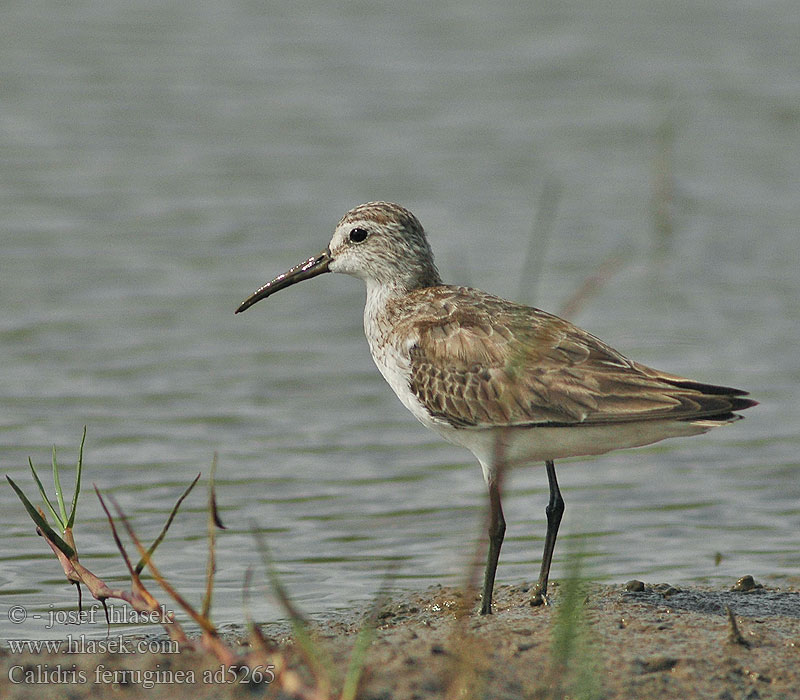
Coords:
358,234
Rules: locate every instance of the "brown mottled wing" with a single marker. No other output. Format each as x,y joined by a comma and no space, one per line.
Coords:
479,360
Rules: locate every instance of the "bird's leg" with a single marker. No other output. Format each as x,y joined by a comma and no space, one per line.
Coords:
497,530
554,511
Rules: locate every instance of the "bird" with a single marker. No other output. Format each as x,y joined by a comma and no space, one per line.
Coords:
511,383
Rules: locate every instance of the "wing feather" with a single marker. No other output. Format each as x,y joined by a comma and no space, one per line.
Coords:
477,360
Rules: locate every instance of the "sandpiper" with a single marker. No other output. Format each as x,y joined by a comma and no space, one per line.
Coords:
511,383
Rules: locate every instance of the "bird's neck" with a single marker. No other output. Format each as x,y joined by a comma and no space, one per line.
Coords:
380,294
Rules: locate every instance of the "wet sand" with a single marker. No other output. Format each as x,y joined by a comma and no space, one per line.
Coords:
597,641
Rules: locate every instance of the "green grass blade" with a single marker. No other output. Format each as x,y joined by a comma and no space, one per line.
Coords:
59,493
358,657
79,469
41,523
575,672
319,661
44,495
366,635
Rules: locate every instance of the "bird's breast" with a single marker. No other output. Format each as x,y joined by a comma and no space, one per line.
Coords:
390,351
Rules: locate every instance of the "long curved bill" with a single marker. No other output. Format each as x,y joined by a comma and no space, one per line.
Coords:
312,267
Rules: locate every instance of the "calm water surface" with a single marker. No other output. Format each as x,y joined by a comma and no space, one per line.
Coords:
159,162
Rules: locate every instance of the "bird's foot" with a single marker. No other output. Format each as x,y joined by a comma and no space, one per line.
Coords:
539,597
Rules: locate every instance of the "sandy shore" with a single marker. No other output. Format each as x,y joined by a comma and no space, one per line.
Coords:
597,641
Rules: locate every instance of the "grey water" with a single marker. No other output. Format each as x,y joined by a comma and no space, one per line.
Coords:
160,161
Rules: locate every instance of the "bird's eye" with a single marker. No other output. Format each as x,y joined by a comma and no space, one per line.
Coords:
358,234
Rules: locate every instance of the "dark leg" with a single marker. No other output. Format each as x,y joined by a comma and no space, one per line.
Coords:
554,511
497,530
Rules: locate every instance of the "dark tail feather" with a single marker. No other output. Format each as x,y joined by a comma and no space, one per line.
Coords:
707,388
741,404
735,402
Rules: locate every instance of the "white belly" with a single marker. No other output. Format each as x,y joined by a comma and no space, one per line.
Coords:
529,445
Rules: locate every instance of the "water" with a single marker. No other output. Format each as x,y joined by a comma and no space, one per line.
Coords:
160,162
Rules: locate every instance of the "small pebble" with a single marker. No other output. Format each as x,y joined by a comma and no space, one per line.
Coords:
746,583
656,664
666,589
